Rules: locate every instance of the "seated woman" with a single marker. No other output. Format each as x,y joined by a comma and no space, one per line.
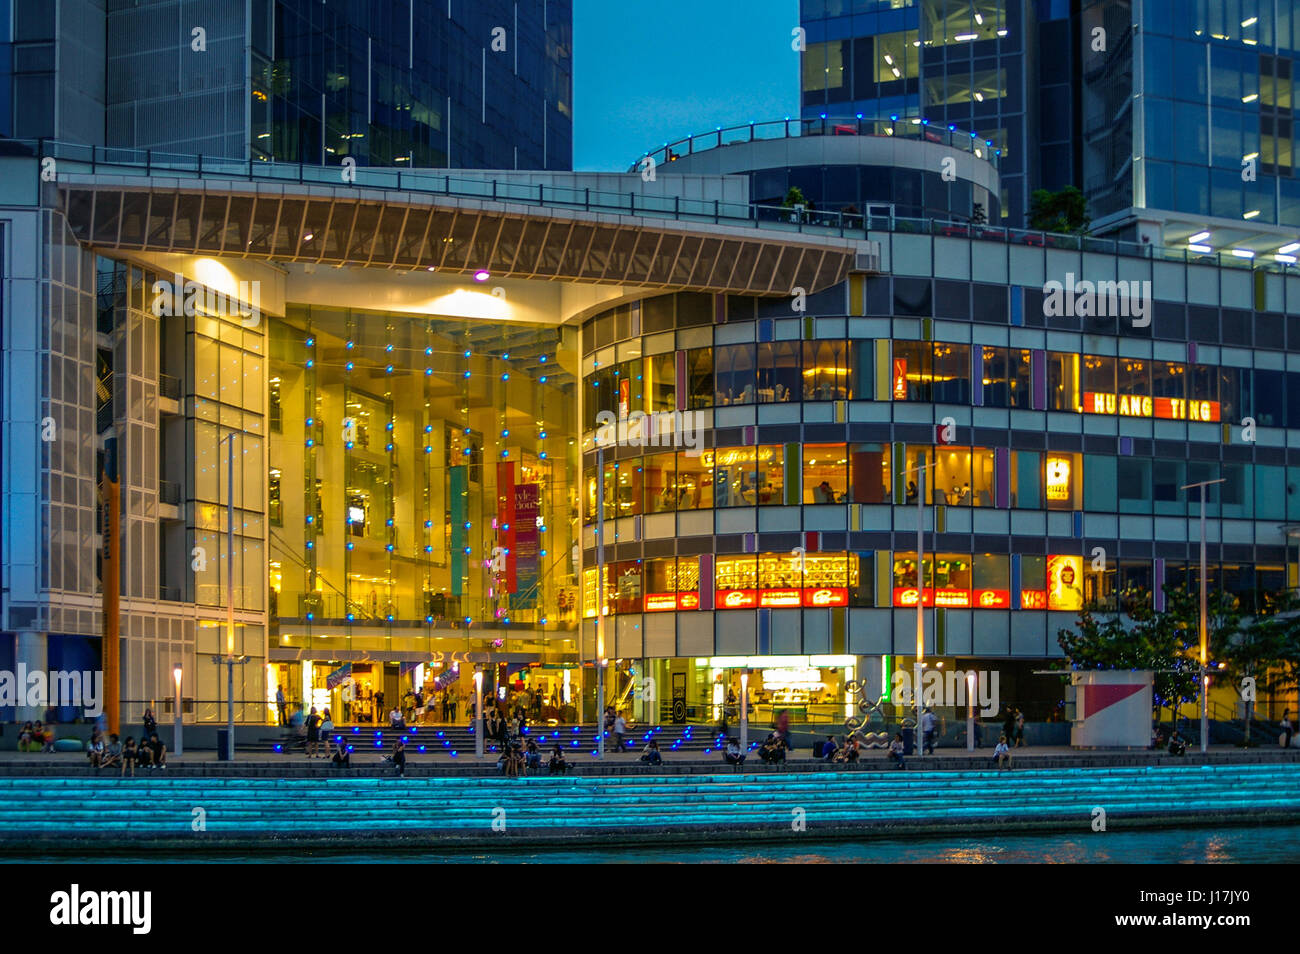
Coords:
650,754
557,765
26,738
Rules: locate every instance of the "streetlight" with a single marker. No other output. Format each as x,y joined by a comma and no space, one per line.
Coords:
177,748
1204,677
601,661
919,470
230,658
970,711
478,710
744,711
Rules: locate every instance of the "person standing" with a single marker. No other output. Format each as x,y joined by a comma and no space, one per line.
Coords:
313,733
150,725
929,728
326,727
1020,728
379,706
281,705
620,729
1286,728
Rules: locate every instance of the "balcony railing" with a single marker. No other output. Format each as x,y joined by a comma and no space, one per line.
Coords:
143,162
169,387
169,493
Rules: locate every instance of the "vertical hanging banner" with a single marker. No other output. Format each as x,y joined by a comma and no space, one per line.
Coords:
506,526
527,508
456,500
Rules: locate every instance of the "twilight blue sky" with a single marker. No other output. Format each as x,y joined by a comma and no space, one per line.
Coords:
649,72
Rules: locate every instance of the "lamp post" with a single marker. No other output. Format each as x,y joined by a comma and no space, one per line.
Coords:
1205,656
478,710
177,747
230,658
601,661
970,711
919,470
744,711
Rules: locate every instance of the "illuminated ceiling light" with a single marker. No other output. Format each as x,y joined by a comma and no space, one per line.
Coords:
1288,249
896,72
1251,98
482,275
1243,253
1002,33
1203,249
1198,237
979,19
309,236
1285,259
1250,21
1250,155
1251,214
979,97
889,59
431,268
966,37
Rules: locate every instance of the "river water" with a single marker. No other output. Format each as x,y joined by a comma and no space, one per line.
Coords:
1211,844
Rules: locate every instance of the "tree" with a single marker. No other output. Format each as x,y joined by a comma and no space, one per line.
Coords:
1136,637
1063,211
1262,654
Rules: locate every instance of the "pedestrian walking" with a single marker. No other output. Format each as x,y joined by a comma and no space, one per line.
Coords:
1020,728
620,729
1285,738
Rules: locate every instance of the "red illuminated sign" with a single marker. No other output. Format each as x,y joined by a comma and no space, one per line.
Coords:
960,599
667,602
779,597
1134,405
900,379
826,596
737,599
1033,599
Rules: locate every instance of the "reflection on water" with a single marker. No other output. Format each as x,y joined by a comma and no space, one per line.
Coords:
1212,844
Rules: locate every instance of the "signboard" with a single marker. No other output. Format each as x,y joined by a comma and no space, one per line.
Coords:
962,599
785,597
1134,405
667,602
900,379
525,549
338,676
1065,583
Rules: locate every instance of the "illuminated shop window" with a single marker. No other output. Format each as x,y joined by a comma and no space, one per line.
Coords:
825,473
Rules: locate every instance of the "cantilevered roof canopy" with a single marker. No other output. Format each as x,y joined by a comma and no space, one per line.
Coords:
297,222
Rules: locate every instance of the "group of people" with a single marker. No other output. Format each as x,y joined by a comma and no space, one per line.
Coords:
1174,743
36,737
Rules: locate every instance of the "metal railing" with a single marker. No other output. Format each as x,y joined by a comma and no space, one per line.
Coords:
143,162
894,127
169,387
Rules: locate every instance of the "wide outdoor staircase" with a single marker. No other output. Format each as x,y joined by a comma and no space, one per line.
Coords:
434,811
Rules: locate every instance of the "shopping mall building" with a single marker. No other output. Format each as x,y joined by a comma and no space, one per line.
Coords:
467,411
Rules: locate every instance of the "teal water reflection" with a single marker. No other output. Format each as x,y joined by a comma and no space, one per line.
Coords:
1209,845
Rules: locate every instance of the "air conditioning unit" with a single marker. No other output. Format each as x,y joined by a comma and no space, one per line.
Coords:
868,261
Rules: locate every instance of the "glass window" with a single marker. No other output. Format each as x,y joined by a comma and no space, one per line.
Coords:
1235,492
694,481
1063,382
825,473
626,597
736,582
1007,375
734,368
870,473
1270,492
1269,406
699,377
628,480
770,481
1167,477
659,478
952,475
918,457
1133,377
1026,480
825,370
951,369
1168,379
734,477
1062,480
991,581
913,377
1033,582
661,382
1133,484
1098,376
778,371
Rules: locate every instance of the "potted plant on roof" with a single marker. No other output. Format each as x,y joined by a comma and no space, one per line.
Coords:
797,202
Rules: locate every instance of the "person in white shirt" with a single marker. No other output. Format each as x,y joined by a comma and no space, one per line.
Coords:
896,750
620,729
1002,753
929,726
